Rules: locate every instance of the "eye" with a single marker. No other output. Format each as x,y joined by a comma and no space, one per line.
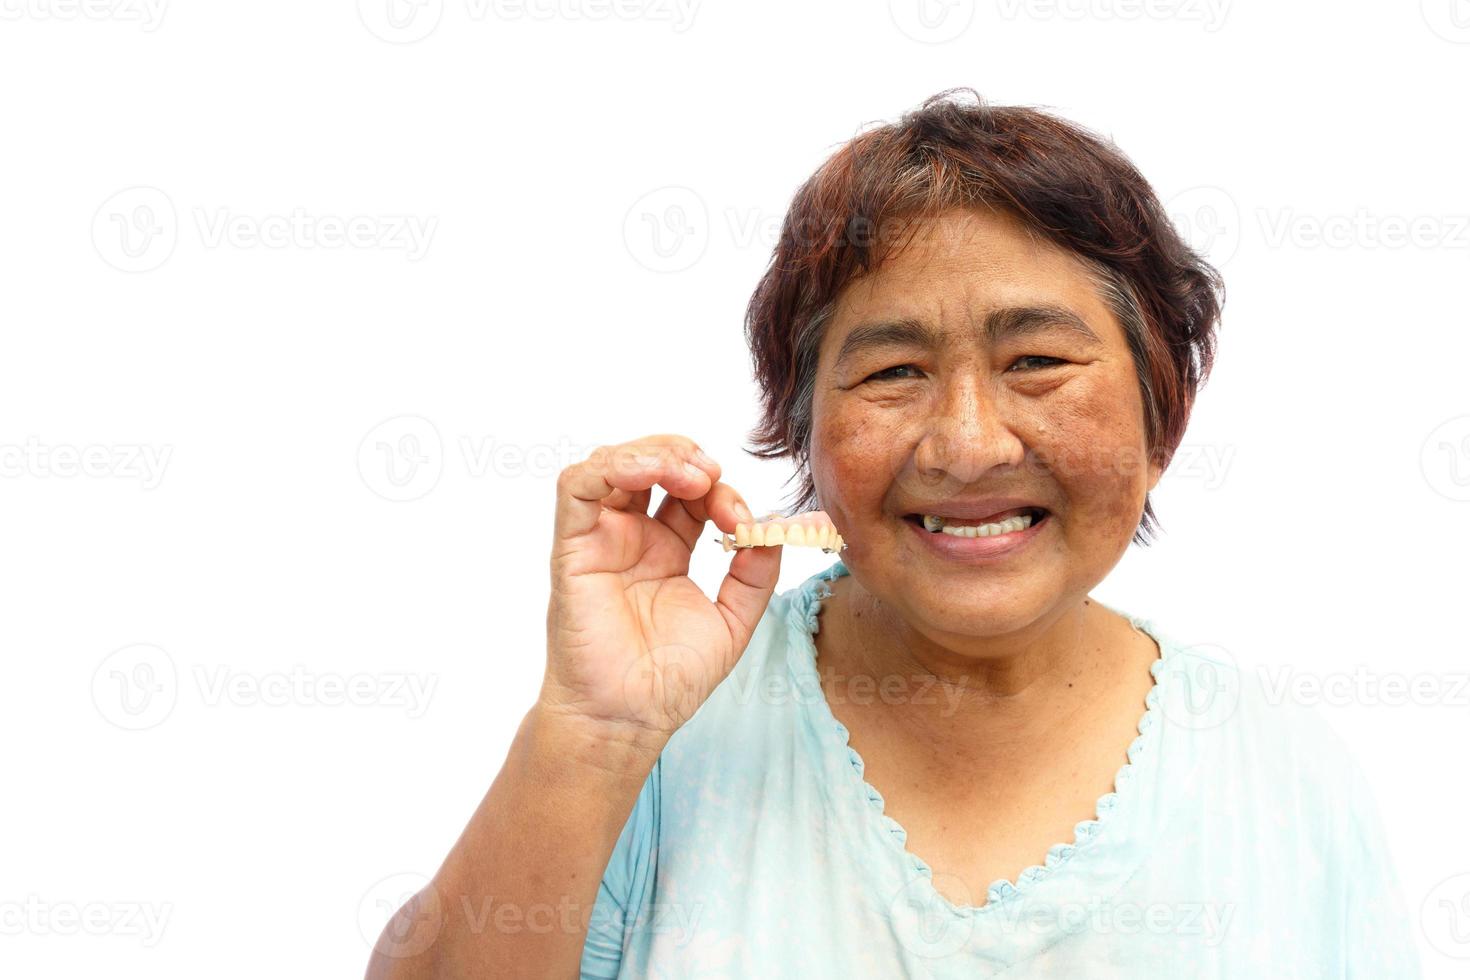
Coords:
1037,362
885,376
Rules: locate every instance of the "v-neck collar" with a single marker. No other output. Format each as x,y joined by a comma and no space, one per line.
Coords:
1020,917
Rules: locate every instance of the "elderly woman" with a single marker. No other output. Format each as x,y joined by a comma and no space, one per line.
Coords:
979,340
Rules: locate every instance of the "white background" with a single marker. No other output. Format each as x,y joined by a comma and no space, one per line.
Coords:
204,545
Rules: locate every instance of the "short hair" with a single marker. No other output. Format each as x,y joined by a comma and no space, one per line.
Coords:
1064,182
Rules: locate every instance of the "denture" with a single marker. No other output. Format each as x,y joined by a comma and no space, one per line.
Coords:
812,529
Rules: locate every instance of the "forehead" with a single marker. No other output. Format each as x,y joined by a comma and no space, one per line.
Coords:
957,268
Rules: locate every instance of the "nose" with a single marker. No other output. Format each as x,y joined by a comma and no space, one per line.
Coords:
967,437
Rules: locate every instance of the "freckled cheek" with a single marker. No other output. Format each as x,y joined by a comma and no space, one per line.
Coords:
1092,443
853,461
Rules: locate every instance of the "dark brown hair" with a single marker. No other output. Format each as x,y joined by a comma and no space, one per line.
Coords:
1064,182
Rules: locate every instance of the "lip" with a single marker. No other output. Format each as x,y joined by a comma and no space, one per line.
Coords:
979,550
976,509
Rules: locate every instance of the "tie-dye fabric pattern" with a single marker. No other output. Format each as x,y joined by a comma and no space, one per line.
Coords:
1240,841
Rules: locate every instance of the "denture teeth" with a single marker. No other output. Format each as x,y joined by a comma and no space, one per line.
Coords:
811,530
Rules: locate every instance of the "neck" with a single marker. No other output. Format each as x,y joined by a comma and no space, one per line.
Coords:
983,693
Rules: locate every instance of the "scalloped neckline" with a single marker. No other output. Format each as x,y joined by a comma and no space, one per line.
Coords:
804,612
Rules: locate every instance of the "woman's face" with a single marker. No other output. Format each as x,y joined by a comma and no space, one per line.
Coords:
978,381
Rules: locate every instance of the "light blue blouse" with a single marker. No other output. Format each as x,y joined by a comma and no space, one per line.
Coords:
1240,841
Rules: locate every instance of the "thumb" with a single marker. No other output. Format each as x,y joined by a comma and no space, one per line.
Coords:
746,591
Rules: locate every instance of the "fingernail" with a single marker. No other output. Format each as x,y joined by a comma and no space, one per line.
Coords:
705,458
693,470
743,512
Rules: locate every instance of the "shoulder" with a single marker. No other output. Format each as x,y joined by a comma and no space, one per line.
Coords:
1268,791
1263,744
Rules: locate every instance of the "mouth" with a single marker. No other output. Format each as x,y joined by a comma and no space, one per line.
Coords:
1004,522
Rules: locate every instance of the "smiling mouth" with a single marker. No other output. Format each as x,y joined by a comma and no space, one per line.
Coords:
1006,522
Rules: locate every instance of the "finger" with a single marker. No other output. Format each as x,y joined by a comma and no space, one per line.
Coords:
670,461
746,590
726,507
638,501
687,518
631,502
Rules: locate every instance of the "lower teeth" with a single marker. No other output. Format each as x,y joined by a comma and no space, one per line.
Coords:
975,531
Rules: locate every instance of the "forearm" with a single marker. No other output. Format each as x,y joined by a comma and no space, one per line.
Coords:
514,896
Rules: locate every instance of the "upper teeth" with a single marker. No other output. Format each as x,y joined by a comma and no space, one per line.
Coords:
1017,523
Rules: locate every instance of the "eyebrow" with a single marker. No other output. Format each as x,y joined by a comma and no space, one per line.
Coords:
1004,324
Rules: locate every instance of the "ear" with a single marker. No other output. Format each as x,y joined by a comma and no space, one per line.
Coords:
1155,470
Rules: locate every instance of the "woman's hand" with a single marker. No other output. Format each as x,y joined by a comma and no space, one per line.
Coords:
633,645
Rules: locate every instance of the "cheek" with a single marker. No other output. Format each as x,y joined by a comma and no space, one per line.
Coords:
853,452
1090,436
